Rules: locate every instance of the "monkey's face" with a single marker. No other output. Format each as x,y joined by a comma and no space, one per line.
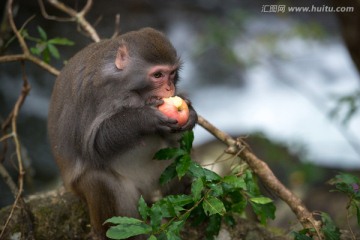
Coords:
163,80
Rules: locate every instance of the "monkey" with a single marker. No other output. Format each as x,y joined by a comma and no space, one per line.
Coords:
104,126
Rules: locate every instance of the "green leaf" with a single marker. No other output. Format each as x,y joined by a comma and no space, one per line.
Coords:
196,188
251,184
198,171
169,153
123,220
213,205
35,51
213,226
357,213
179,200
126,231
173,231
346,183
46,55
183,165
239,207
143,208
211,176
155,216
261,200
301,236
168,174
53,51
61,41
235,182
264,211
330,231
152,237
42,33
187,140
216,189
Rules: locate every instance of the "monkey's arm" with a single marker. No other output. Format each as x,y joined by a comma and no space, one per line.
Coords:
127,127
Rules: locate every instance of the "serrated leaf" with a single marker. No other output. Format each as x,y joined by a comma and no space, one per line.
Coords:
196,188
155,216
61,41
187,140
42,33
183,165
211,176
126,231
213,205
168,174
261,200
235,182
198,171
143,208
168,153
173,231
53,51
179,200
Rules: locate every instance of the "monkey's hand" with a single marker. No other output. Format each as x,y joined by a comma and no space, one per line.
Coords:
162,123
190,124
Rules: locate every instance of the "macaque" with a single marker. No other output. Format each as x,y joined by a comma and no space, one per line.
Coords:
104,125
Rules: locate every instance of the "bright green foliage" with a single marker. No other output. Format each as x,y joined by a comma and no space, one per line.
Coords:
349,185
212,200
46,48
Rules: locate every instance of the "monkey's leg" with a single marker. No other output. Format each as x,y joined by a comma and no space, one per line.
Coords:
107,195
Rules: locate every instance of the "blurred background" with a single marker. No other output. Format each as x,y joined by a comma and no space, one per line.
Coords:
283,80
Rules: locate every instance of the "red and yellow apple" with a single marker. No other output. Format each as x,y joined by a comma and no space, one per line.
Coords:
176,108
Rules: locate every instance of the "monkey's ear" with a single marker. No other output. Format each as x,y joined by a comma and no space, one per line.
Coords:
122,57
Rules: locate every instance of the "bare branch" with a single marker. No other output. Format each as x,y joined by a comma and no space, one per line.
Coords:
117,26
32,58
14,114
86,8
79,17
21,40
50,17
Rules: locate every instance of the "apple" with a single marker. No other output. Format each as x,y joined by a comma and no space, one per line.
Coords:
175,107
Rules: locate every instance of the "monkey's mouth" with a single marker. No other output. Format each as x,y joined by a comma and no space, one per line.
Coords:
160,97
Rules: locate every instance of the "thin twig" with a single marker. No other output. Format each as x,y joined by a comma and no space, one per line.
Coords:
31,58
79,17
117,26
262,170
21,40
50,17
18,191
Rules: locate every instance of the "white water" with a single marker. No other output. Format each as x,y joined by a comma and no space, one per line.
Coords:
287,114
288,100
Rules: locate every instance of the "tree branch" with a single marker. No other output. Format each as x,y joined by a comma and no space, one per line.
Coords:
79,17
262,170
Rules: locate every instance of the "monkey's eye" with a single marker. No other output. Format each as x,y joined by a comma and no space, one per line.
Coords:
158,75
173,73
